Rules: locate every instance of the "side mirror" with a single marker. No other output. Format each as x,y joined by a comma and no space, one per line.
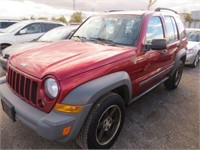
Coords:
157,44
22,31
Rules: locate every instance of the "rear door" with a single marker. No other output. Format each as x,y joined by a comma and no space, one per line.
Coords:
173,42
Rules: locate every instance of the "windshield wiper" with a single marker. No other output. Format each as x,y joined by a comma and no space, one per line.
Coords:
83,39
103,40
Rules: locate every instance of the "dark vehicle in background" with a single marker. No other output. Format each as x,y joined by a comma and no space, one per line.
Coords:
25,31
80,88
57,34
193,47
4,23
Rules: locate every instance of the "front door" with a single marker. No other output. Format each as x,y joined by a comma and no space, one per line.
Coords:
29,33
156,59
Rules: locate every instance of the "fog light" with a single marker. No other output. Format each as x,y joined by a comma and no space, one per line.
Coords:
68,108
66,130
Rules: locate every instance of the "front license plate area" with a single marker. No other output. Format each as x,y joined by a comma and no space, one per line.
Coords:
8,108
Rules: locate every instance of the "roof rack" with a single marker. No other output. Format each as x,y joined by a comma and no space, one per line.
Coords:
115,10
159,9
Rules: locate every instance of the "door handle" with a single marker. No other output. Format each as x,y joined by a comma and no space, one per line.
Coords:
163,51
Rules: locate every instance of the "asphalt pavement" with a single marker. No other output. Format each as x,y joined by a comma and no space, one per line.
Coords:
159,120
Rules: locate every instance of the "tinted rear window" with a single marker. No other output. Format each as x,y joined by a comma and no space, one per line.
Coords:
5,24
49,26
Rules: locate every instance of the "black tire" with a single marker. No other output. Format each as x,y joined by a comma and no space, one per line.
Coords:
174,80
196,60
98,124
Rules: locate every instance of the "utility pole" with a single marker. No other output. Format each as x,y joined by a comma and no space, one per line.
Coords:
74,5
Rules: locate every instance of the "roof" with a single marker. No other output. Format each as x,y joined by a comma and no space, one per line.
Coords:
128,12
42,21
192,29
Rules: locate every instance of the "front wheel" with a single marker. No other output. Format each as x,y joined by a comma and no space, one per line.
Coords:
196,60
103,124
174,80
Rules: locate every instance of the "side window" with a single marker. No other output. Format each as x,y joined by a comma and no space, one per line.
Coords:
49,26
154,30
32,28
4,24
181,28
171,29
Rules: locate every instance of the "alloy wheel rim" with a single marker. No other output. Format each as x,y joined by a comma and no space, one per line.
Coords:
196,60
108,125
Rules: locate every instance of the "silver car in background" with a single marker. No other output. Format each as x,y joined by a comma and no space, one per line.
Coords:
193,47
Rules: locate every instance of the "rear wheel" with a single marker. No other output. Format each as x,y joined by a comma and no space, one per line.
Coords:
174,80
196,60
103,124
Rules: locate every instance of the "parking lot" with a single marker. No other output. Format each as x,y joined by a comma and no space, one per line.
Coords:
159,120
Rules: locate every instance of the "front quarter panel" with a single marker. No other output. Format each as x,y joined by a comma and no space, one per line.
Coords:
91,91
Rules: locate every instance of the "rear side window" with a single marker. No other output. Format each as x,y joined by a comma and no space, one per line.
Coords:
154,30
4,24
181,28
171,29
49,26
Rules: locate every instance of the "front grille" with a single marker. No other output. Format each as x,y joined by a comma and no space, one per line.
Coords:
23,86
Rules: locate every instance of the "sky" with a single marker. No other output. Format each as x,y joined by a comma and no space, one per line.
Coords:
17,9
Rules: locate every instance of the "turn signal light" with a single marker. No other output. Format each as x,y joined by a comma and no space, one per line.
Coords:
66,130
68,108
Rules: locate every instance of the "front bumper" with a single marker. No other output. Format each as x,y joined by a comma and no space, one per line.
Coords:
3,63
190,59
49,126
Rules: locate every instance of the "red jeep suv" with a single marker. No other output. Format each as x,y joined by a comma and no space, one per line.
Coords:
79,88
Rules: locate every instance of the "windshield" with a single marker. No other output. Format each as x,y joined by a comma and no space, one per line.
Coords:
110,29
56,34
15,27
193,36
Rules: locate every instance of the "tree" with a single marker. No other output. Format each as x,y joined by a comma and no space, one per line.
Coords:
151,2
76,17
61,19
25,18
33,18
42,18
188,17
54,19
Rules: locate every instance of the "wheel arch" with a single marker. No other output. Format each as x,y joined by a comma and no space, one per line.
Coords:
180,56
92,91
7,44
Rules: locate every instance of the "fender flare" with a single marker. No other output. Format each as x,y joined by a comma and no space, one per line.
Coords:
182,53
91,91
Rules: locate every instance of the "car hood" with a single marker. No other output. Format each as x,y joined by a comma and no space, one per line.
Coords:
18,48
191,44
67,58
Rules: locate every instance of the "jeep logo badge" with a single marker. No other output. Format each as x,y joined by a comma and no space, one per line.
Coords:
23,64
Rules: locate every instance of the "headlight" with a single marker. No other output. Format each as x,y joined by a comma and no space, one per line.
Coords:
51,88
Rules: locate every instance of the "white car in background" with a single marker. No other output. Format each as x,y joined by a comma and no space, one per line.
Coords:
193,47
57,34
4,23
25,31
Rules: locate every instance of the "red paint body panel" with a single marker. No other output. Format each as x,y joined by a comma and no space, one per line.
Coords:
73,63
